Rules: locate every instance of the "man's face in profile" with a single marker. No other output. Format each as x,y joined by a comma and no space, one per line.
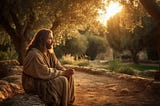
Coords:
49,42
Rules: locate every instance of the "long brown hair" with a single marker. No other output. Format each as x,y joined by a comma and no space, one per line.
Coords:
39,40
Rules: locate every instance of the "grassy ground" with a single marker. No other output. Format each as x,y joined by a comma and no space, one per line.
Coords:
143,67
130,68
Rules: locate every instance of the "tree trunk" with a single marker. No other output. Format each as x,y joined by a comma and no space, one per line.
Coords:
20,47
158,44
154,10
152,7
18,41
134,57
55,24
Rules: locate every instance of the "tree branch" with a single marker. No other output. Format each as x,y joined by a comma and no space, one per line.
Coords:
152,8
28,26
55,24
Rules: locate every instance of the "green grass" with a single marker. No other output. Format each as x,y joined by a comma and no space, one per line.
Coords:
143,67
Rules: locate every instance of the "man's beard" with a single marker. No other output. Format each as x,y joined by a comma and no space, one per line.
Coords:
49,46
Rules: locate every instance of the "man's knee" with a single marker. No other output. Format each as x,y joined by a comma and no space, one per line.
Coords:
64,79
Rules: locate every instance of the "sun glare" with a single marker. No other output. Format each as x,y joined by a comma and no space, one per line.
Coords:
109,11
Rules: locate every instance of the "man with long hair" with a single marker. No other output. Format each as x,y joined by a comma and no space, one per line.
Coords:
44,75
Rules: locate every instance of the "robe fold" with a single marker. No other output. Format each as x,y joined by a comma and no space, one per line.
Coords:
42,76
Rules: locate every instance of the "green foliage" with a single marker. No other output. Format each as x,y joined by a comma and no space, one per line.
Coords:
77,45
59,51
22,18
3,55
143,67
83,62
86,44
114,65
133,31
127,70
68,59
96,45
7,50
9,54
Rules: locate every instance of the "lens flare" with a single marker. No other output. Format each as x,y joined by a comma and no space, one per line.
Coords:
109,11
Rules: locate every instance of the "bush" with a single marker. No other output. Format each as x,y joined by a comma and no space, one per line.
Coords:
3,55
96,45
113,65
83,62
127,70
67,59
75,46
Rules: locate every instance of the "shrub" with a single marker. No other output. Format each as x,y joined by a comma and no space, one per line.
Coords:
127,70
83,62
3,55
113,65
96,45
67,59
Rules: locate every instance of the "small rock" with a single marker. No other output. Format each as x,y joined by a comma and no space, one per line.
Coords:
78,84
23,100
113,89
125,91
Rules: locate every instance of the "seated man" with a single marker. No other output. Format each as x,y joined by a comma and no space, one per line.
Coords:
44,75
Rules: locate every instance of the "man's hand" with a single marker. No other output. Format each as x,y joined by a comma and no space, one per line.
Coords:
68,73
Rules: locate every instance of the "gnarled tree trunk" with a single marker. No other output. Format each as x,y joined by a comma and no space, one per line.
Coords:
154,10
18,39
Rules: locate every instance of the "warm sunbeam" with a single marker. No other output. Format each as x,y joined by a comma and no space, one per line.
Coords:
109,11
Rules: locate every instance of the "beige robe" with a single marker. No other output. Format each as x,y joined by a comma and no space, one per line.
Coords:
42,76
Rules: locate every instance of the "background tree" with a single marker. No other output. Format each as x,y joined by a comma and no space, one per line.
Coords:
136,43
77,46
150,31
133,37
21,19
86,44
154,10
96,45
7,50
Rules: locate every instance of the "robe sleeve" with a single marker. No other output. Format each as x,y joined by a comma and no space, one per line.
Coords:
35,66
57,63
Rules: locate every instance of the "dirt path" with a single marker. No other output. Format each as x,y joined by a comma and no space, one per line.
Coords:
101,90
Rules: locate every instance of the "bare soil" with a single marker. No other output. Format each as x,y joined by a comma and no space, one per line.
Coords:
102,90
98,88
